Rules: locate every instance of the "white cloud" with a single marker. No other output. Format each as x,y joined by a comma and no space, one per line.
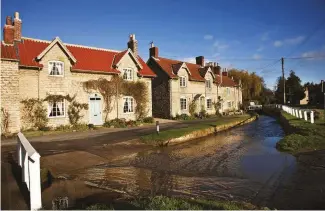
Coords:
290,41
278,43
265,36
208,37
220,46
295,41
261,48
317,54
257,56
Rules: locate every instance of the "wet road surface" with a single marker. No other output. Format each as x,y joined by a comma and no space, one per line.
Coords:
239,164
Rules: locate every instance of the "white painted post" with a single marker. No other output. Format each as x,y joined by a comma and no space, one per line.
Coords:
19,152
25,169
35,182
297,114
312,117
305,115
300,114
31,172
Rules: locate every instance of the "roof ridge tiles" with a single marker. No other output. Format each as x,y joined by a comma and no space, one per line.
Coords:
74,45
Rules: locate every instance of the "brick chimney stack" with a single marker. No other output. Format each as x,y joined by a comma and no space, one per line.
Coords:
153,51
12,29
225,72
133,44
200,60
8,31
17,27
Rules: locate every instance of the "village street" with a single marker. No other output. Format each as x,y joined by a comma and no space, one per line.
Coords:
240,164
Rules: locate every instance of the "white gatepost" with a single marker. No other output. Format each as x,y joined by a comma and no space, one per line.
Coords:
312,117
305,115
29,160
300,114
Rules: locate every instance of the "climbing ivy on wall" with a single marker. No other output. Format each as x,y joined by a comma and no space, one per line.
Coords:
35,113
116,87
74,108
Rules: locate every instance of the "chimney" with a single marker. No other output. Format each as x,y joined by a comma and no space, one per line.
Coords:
153,51
225,72
17,27
133,44
217,69
200,60
8,31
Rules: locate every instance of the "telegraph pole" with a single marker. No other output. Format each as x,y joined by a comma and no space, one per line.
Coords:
284,82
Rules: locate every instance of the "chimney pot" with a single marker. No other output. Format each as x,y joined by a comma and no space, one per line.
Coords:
153,51
16,15
17,27
133,44
9,20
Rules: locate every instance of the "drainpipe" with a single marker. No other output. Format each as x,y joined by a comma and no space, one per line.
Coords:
117,101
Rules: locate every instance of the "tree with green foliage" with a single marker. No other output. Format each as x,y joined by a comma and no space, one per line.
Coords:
294,90
252,84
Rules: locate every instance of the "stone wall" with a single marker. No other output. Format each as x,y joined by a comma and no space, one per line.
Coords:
10,93
38,84
160,92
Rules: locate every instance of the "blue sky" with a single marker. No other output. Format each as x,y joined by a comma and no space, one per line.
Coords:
248,34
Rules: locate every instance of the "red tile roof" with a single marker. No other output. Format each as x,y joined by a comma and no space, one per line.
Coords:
8,52
168,64
226,81
88,58
197,72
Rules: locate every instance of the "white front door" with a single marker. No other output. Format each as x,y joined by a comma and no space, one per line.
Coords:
95,109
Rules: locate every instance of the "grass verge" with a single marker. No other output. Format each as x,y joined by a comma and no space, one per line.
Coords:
173,203
305,136
157,139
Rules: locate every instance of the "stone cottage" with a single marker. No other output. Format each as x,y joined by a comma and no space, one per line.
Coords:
32,68
180,83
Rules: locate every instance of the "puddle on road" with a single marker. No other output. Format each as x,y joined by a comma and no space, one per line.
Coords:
236,164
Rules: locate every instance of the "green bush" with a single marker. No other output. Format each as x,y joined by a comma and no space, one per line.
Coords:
80,127
148,120
107,124
99,207
131,123
118,123
63,127
44,128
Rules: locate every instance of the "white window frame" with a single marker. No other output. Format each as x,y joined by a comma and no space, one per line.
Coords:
209,99
182,81
229,104
208,84
129,77
56,63
130,101
180,103
50,108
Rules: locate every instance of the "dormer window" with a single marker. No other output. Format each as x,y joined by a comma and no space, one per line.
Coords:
208,84
128,74
56,68
182,81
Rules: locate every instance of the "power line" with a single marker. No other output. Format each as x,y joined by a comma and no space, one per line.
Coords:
305,57
309,36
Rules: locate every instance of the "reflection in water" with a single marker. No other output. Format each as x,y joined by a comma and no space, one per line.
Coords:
241,163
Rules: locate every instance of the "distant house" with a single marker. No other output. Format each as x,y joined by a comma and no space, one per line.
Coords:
305,100
180,83
32,68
